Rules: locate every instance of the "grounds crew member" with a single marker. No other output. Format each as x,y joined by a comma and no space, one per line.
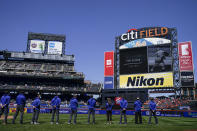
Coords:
20,101
36,110
73,109
152,107
91,109
55,103
123,106
4,106
108,107
138,115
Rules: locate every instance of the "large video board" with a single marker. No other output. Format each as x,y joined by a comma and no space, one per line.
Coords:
145,58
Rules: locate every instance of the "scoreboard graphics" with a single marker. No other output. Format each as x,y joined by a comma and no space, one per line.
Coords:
143,53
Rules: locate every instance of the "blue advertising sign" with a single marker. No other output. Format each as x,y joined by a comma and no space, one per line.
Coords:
109,82
165,113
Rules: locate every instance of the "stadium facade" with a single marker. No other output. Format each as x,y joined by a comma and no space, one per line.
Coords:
43,67
150,60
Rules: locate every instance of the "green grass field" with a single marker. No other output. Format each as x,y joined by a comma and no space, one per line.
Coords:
165,124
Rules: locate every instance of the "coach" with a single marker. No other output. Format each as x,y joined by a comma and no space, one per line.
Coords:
36,110
91,109
55,103
4,106
152,107
138,115
73,109
123,106
20,101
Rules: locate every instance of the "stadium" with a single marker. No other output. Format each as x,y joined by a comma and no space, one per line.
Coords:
145,61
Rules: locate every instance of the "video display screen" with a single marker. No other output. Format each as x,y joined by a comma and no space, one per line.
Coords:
159,58
149,59
133,60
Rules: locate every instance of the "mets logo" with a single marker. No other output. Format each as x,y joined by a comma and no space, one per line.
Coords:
33,45
117,100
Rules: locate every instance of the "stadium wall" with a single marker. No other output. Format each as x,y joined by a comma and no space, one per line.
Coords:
166,113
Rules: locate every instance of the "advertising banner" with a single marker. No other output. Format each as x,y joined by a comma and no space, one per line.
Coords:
37,46
164,113
152,80
185,56
109,63
54,47
13,109
144,42
145,37
109,82
159,58
187,78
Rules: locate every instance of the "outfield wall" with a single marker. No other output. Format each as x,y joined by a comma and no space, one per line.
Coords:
168,113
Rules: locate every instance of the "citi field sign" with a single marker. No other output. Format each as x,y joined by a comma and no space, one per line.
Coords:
133,34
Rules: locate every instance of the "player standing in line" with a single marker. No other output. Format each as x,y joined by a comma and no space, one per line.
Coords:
55,103
4,106
73,109
152,107
20,101
123,106
138,106
36,110
91,110
108,107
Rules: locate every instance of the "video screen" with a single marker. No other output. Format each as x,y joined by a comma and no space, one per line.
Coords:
159,58
133,60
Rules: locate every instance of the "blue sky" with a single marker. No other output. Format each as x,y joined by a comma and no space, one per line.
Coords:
92,25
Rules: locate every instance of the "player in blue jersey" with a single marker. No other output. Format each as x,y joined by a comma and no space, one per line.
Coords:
4,106
108,107
152,107
91,109
20,101
36,110
55,103
123,106
73,109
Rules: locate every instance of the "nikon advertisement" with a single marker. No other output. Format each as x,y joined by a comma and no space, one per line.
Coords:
152,80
